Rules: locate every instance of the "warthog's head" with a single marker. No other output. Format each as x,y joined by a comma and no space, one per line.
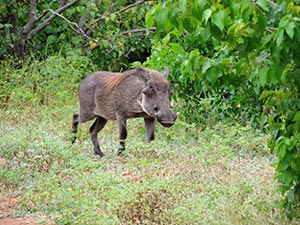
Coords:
155,98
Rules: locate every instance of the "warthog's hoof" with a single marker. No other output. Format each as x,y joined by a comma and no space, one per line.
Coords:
101,154
121,151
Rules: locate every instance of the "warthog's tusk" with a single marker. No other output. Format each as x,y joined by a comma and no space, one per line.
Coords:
141,104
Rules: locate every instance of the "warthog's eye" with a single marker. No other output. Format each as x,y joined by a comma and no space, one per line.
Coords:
155,108
149,90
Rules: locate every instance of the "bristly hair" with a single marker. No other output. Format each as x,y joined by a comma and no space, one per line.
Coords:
113,81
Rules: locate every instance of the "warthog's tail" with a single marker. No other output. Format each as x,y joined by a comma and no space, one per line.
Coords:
75,126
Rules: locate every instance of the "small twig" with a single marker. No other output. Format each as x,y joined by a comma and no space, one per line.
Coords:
272,3
137,30
126,33
42,15
262,58
271,29
71,24
103,17
130,6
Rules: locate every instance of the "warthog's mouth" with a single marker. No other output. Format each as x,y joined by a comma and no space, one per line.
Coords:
167,123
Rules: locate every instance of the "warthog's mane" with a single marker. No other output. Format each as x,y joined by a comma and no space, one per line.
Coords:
115,79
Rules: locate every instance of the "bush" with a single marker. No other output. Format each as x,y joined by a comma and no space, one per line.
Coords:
239,56
34,82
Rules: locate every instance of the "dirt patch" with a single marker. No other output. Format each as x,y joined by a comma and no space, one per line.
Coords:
20,221
8,204
3,161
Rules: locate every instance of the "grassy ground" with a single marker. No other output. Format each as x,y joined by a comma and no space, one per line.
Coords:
188,175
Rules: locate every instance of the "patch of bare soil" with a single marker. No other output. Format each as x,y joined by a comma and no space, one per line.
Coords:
9,204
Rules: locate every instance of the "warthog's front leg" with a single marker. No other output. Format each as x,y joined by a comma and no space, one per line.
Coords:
122,134
150,127
94,130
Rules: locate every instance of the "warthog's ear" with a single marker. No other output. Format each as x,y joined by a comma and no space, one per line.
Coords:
143,73
166,72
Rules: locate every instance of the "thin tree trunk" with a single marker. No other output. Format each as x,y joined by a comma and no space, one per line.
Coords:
29,31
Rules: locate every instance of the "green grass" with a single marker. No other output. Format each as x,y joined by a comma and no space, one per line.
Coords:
188,175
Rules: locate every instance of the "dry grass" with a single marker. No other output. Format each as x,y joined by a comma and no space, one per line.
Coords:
219,175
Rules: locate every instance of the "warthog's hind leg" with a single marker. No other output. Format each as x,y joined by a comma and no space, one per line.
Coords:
75,126
94,130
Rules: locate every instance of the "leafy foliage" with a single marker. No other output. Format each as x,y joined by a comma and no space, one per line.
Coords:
112,34
240,55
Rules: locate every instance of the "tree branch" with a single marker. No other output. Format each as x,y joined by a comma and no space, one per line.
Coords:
141,30
51,18
272,3
271,29
103,15
262,58
32,18
118,12
84,18
130,6
71,24
27,28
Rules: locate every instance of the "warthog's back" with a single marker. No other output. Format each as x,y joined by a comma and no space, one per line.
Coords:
90,87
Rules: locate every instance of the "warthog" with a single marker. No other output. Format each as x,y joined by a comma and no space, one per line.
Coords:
119,96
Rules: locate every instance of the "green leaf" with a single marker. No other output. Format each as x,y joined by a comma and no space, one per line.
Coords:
51,39
291,195
246,13
206,15
290,29
263,76
280,38
282,151
136,64
206,65
286,177
219,19
177,48
149,20
263,4
274,74
284,21
172,15
166,39
202,3
212,76
187,25
262,22
161,18
182,5
297,117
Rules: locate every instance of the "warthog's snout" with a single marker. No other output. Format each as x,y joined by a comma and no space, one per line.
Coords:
166,120
167,123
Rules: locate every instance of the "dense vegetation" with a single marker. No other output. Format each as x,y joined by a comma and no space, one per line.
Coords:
244,54
228,60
